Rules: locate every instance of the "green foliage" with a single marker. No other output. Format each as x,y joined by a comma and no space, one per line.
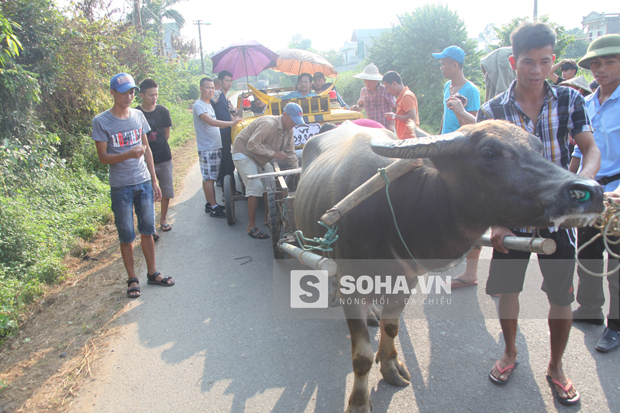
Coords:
182,124
19,93
38,34
563,39
349,87
9,43
579,47
39,223
407,48
298,42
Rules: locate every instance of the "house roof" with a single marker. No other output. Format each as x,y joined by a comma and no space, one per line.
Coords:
365,34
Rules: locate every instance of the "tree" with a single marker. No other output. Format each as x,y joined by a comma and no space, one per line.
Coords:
153,13
408,47
579,47
488,37
9,43
298,42
563,39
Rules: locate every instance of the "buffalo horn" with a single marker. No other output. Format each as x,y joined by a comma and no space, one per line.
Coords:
424,147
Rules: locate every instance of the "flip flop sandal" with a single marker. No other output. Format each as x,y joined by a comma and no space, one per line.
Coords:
156,237
461,283
163,282
496,380
565,389
133,289
257,234
166,227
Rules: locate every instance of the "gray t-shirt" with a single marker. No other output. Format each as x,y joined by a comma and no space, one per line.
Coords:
122,135
208,137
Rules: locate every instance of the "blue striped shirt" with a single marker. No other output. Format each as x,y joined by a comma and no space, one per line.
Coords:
606,123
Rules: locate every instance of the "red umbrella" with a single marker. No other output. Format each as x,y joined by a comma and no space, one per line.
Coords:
247,58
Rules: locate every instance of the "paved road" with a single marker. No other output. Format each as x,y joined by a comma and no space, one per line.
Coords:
211,343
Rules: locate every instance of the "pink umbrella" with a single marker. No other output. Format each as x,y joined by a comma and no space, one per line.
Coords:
247,58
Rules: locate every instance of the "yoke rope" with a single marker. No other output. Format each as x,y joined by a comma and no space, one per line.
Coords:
387,193
609,225
322,243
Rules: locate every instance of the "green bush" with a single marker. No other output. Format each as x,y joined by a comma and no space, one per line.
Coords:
39,223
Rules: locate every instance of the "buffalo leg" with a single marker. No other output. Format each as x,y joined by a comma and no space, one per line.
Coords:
372,315
393,370
361,356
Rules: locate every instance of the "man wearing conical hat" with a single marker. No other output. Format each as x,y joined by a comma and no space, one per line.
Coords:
603,60
374,97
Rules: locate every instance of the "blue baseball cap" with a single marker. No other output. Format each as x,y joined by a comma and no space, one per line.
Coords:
453,52
295,112
122,82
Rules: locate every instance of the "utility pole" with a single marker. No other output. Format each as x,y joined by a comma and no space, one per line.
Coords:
137,17
535,10
202,59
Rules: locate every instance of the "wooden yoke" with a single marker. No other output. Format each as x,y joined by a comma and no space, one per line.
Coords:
393,171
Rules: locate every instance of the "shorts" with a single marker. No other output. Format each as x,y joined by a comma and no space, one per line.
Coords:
124,200
163,171
507,272
210,164
253,187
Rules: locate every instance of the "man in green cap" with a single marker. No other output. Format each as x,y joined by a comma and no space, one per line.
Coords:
603,59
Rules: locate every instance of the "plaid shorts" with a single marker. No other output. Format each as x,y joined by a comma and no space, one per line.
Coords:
210,164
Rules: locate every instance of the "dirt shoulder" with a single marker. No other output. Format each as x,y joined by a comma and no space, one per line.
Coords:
43,366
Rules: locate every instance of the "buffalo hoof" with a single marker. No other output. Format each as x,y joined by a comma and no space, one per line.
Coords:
394,371
360,409
373,315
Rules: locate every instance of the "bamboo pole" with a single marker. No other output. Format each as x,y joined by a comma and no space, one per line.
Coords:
310,259
544,246
279,173
393,171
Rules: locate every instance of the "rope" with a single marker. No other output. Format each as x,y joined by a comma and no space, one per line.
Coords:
323,243
387,193
609,225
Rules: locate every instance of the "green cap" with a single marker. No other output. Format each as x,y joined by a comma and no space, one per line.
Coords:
603,46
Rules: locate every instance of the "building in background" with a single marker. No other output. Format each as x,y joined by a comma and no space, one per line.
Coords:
171,32
356,50
599,24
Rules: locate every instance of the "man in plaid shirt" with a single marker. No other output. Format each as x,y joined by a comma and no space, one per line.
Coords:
374,97
550,113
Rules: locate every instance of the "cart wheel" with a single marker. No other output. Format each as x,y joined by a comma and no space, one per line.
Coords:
274,224
229,199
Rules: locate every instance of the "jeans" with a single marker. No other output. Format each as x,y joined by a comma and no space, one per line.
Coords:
123,199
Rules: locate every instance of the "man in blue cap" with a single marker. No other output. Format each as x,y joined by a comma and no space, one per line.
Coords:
457,92
120,137
265,139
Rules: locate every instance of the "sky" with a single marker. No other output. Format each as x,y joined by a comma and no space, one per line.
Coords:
330,24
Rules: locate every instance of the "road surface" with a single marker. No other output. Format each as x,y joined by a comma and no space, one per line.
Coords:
211,343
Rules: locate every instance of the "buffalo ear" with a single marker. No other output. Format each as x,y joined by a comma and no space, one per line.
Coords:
423,147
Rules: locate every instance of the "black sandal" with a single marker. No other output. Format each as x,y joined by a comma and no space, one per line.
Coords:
163,282
131,290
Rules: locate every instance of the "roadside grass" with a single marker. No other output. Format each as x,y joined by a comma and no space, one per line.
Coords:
47,217
182,124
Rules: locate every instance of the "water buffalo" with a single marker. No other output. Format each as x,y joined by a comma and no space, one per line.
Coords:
486,174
